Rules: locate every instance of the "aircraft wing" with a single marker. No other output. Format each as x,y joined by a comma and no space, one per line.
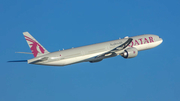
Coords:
110,53
118,48
123,46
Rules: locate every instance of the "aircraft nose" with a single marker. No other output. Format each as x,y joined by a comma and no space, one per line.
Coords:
161,40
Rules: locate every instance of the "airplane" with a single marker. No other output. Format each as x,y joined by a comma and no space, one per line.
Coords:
128,47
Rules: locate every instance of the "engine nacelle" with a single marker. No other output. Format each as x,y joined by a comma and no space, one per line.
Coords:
130,53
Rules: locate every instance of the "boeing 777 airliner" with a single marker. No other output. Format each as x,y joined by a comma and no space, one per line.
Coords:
127,47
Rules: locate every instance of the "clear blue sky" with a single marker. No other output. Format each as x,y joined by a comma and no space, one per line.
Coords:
154,75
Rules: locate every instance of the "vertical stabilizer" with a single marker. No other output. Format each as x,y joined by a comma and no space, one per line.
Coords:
36,48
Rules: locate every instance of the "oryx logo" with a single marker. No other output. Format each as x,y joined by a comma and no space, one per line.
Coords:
34,46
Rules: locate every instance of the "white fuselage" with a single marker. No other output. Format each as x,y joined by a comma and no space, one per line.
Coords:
89,52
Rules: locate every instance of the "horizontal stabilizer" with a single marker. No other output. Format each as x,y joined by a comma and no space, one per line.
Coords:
18,61
39,60
24,52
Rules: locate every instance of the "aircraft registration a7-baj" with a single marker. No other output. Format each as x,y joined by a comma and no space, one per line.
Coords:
127,47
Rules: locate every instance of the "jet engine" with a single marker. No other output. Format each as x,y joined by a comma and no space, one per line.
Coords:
130,53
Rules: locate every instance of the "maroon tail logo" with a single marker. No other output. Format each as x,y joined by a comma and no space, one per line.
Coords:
34,46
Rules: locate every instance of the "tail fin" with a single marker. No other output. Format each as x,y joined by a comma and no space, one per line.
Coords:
36,48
